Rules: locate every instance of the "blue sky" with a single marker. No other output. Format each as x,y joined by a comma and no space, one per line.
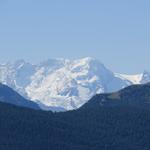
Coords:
117,32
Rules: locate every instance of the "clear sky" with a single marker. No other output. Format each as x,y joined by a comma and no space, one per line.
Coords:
117,32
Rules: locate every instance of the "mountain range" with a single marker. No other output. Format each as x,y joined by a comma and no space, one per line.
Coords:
65,84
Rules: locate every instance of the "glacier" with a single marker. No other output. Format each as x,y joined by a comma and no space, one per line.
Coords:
63,83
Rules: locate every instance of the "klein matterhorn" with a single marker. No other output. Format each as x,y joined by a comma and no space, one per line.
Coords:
64,84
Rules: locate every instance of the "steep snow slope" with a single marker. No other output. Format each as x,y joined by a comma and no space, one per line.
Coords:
64,83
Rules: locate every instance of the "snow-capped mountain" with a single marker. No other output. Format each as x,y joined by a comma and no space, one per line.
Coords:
63,83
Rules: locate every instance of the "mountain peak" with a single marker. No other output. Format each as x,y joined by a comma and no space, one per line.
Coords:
145,77
87,59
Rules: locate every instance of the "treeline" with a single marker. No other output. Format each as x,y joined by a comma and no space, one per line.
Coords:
102,128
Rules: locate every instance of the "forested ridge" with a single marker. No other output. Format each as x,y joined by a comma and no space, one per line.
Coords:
112,128
93,127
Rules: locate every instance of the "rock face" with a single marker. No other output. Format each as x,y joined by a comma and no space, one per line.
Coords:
65,84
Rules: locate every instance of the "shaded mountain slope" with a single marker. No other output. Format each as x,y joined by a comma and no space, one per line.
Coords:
8,95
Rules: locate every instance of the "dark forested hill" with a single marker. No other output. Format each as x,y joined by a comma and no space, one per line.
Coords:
117,127
135,95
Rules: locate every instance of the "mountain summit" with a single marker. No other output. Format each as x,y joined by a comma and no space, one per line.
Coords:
64,83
